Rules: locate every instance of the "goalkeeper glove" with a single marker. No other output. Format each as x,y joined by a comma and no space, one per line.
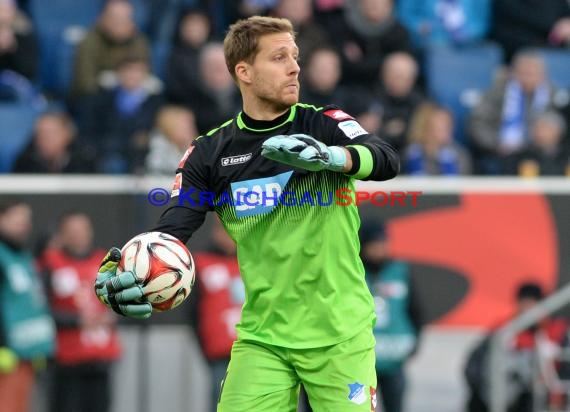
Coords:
304,152
120,292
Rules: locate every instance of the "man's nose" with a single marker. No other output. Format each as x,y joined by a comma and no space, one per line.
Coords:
295,69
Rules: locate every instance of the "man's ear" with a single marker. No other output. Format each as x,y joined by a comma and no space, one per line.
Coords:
243,72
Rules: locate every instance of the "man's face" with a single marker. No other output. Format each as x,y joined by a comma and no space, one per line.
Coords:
529,71
133,75
117,21
324,70
399,75
52,137
76,233
375,251
16,223
275,71
213,70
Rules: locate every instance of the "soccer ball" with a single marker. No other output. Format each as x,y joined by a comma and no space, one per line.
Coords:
163,267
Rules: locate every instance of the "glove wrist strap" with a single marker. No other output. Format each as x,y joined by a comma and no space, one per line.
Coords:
337,161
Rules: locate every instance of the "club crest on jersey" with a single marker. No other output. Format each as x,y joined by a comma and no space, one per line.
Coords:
258,196
357,394
351,129
235,160
338,115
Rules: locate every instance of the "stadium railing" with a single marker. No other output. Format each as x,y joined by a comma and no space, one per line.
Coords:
500,343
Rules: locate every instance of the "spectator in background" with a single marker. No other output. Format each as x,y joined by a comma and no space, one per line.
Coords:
499,125
445,22
432,150
217,98
309,35
327,13
247,8
530,23
320,84
367,33
546,155
18,48
218,296
118,118
175,130
320,87
397,97
55,148
398,316
367,112
26,329
114,37
163,16
532,350
87,340
194,31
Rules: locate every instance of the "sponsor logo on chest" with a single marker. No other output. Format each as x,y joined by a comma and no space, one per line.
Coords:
258,196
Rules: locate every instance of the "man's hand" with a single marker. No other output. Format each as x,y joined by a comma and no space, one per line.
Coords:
120,292
305,152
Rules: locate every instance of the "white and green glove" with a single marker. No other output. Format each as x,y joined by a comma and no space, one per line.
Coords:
120,292
304,152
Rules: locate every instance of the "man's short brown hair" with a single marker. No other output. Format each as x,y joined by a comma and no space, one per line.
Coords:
242,40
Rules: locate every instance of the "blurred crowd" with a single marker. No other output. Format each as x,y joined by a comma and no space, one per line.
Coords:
124,86
52,325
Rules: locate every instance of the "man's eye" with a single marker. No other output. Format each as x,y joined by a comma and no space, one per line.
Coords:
279,57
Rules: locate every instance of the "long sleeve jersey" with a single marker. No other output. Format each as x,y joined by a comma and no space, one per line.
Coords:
296,231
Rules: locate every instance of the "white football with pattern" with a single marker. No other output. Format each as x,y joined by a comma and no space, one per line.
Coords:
163,266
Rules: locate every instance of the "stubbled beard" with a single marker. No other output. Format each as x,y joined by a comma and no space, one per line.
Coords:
270,99
276,105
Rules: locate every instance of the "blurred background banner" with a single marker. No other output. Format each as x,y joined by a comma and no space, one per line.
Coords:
471,239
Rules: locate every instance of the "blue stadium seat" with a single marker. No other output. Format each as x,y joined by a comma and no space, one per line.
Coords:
63,13
142,14
557,66
456,78
51,19
159,58
17,122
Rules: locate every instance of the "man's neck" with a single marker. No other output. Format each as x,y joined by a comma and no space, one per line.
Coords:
262,110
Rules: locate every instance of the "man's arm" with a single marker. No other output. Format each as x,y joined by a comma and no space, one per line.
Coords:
187,208
371,157
180,222
184,215
335,145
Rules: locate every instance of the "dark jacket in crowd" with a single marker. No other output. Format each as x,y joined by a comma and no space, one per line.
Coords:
526,23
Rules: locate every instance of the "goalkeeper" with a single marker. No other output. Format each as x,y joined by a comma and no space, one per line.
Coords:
308,314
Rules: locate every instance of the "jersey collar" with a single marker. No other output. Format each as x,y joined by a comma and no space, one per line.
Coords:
247,123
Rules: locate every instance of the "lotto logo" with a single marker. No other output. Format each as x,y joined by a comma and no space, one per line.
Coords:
236,160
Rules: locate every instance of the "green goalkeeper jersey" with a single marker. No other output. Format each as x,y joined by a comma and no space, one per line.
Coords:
296,231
